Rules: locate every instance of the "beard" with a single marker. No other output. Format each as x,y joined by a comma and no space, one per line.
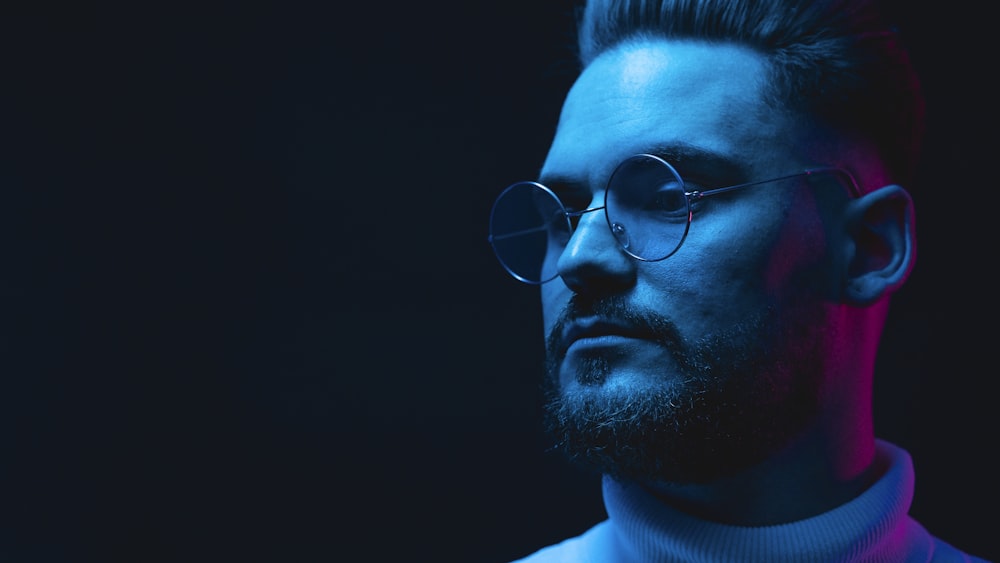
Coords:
742,394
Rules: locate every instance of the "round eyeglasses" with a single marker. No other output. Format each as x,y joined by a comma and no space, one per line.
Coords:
646,207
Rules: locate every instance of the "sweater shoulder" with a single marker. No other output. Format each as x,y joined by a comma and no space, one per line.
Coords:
593,546
944,552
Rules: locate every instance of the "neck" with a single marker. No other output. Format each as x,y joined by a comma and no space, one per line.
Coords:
812,476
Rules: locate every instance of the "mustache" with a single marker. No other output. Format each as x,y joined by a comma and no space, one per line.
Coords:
616,309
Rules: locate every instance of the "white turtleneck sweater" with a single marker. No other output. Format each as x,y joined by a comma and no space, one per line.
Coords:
872,527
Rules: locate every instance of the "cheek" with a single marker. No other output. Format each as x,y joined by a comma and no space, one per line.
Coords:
799,251
554,296
774,248
735,251
746,263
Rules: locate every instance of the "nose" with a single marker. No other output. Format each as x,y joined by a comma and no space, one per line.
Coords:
592,261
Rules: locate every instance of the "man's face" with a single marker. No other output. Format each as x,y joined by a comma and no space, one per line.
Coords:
702,364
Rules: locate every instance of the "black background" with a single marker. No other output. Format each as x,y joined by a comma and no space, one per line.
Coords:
250,314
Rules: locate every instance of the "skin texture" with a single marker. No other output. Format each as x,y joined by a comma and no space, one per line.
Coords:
736,378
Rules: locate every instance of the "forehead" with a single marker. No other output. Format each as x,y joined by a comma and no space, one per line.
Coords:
661,93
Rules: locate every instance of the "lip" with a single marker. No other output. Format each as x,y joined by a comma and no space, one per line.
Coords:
599,331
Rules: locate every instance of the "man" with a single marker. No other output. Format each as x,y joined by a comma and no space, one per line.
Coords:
717,230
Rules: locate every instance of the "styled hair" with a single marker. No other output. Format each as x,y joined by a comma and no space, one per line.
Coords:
840,61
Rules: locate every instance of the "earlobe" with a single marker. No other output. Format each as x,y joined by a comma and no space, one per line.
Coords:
882,229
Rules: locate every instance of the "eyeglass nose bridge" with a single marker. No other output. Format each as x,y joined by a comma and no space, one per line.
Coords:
574,218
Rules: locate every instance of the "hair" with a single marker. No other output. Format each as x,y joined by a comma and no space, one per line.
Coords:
839,61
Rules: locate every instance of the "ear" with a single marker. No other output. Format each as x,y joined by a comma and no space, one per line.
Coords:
881,226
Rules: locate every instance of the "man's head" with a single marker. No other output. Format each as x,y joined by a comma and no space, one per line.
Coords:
760,330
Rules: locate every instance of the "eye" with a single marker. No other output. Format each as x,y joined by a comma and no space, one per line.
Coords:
669,200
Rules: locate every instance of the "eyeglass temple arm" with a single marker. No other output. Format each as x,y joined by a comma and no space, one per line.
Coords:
855,190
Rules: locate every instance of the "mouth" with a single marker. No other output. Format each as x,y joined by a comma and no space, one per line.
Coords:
599,330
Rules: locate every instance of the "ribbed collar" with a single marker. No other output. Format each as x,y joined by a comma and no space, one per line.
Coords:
873,526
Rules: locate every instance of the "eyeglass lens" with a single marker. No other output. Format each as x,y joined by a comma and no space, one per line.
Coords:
529,227
646,209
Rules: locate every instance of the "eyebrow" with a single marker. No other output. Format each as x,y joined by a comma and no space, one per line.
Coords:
691,159
688,159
